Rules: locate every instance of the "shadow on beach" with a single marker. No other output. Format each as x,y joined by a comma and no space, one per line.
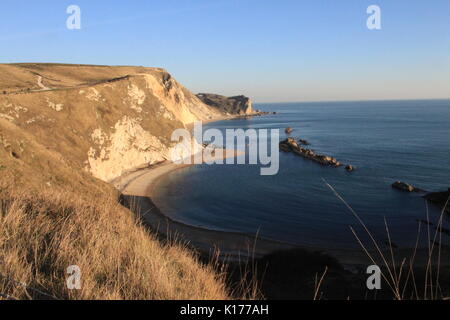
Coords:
281,270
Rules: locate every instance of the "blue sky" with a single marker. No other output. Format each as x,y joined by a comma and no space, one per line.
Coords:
270,50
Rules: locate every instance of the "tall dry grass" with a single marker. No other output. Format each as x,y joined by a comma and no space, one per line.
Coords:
402,276
43,234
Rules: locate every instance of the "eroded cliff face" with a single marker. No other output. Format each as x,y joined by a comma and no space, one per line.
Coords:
240,105
104,120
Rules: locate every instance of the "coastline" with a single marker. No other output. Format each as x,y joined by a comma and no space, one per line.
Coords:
137,189
137,186
137,192
124,182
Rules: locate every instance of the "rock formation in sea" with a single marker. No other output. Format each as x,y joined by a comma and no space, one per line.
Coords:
440,198
350,168
403,186
289,130
291,145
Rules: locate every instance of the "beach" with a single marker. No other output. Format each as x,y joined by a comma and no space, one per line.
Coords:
137,189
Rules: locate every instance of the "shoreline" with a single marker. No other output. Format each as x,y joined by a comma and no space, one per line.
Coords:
130,175
137,187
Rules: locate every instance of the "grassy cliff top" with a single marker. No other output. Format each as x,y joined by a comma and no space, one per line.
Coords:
64,128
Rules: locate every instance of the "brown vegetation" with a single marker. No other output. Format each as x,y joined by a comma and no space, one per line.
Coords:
54,213
42,235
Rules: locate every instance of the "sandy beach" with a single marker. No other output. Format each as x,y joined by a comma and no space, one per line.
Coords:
137,188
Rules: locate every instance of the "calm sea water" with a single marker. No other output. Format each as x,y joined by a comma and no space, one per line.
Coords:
386,140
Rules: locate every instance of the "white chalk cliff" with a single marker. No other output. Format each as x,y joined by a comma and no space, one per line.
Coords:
105,120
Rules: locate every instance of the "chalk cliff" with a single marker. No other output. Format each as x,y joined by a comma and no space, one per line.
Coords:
104,120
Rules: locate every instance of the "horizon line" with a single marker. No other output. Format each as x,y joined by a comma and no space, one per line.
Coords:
356,100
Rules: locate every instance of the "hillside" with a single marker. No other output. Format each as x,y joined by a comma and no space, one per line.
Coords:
240,105
65,131
106,120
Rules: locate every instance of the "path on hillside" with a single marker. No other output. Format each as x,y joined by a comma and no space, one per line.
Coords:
41,85
43,88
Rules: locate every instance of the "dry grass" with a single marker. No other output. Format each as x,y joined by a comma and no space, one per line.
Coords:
401,276
53,214
41,235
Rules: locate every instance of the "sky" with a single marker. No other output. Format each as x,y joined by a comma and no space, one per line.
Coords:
272,51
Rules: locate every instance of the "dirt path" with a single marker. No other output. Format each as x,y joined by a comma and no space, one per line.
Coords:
41,85
43,88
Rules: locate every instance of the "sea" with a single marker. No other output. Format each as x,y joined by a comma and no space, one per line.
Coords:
386,141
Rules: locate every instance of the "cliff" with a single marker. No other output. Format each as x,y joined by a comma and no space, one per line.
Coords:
240,105
106,120
66,130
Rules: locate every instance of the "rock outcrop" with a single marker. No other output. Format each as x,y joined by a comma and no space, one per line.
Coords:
403,186
291,145
304,142
350,168
239,105
289,130
440,198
